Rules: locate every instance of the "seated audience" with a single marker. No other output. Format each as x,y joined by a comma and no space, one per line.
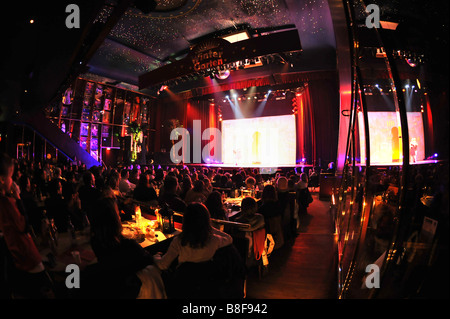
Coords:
272,215
196,194
216,209
169,195
88,193
119,259
250,216
26,274
198,241
125,186
144,191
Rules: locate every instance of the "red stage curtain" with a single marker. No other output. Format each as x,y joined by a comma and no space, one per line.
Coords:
306,137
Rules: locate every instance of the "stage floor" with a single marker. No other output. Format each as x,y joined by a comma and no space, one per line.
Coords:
401,163
262,168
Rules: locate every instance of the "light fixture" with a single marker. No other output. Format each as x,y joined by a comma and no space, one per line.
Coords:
236,37
223,74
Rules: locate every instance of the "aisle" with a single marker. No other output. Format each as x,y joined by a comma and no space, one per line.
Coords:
305,270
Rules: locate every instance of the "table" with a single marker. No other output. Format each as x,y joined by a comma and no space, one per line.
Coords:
66,252
145,232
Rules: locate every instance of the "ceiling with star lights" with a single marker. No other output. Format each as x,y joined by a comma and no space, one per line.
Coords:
141,42
120,40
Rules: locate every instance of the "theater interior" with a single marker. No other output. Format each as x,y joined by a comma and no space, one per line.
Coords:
280,86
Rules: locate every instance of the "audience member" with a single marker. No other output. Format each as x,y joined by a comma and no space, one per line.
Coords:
196,194
88,193
125,186
198,241
270,209
119,258
169,195
26,273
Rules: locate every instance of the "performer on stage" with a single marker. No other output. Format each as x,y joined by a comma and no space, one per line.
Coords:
413,149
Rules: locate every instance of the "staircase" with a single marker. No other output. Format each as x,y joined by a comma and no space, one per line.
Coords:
58,139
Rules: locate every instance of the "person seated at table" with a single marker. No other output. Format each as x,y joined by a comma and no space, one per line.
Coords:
270,209
238,181
196,194
198,240
111,190
303,194
26,274
225,181
216,209
250,182
40,182
30,203
88,193
259,182
125,186
119,258
286,202
169,194
135,176
57,177
56,207
249,215
216,180
186,185
144,191
207,187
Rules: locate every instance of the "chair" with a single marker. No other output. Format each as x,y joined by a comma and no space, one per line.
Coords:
5,267
222,277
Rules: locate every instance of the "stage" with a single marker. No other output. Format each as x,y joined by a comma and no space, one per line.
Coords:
298,168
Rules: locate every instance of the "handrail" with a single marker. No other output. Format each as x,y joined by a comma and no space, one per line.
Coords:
219,221
42,137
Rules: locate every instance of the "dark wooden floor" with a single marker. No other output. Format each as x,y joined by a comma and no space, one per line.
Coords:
306,269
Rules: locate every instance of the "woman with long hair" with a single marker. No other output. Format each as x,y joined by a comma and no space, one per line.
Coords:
215,206
198,241
270,209
119,258
196,193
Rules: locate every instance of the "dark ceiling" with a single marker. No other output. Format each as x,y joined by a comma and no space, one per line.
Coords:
142,42
120,40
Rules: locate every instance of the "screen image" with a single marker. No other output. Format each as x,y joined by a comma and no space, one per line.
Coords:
386,140
261,141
